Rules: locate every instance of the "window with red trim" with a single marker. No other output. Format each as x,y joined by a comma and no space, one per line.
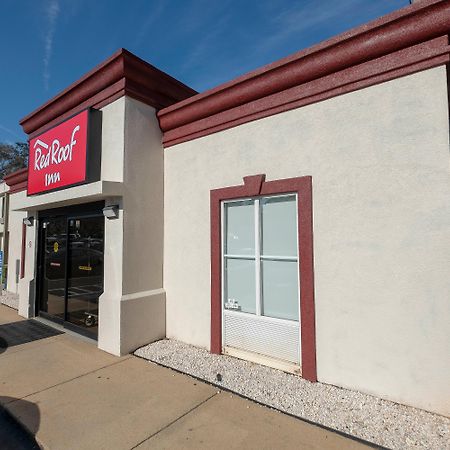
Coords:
254,192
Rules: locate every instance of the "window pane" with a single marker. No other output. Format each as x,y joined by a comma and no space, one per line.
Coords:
280,289
240,228
240,292
279,226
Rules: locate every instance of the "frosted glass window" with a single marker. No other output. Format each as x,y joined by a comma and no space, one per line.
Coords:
280,289
240,228
260,260
240,285
279,226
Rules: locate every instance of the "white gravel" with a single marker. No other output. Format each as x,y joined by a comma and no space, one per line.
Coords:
9,299
370,418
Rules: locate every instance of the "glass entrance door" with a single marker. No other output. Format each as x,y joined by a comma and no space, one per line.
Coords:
53,236
85,271
71,271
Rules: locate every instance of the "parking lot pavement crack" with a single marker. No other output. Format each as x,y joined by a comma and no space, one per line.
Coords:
175,421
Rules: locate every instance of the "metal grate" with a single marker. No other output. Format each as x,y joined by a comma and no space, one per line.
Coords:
266,336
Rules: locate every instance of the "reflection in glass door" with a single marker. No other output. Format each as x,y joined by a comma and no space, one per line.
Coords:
70,270
85,271
53,267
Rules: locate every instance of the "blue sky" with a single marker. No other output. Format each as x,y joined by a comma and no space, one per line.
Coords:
48,44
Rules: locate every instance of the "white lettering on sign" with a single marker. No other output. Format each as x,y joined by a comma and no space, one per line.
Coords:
51,178
46,155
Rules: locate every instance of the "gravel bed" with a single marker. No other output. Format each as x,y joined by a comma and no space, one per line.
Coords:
9,299
378,421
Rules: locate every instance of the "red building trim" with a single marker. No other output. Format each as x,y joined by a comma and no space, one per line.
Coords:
17,181
254,186
121,74
404,42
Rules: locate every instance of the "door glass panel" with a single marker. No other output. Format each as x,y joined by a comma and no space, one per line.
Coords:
240,228
280,289
85,274
279,226
240,294
53,266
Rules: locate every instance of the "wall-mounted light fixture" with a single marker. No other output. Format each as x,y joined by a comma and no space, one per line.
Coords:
111,211
28,221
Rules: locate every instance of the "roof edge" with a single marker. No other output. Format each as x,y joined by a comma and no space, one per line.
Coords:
394,33
121,74
17,181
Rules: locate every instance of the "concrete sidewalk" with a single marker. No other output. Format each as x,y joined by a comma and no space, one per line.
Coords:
70,395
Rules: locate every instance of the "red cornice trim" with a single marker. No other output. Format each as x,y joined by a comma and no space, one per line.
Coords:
349,80
17,181
253,186
121,74
406,41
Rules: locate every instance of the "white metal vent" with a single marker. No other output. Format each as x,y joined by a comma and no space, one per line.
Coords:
264,335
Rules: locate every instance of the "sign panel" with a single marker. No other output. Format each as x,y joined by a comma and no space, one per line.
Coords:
58,156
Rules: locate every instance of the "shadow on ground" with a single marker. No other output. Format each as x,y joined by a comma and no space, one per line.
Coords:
12,435
17,333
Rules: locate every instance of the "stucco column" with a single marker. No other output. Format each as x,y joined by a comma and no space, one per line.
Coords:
109,302
143,309
26,288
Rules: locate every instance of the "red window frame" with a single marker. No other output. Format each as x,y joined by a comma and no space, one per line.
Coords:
256,186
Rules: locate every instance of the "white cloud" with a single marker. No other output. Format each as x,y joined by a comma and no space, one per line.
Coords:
10,132
52,12
304,17
206,44
157,8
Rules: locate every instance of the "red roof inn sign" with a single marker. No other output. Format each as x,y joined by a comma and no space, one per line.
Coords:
66,154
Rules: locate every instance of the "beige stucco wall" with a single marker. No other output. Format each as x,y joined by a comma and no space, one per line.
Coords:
379,158
26,284
4,188
132,307
143,299
113,138
15,220
113,141
3,209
